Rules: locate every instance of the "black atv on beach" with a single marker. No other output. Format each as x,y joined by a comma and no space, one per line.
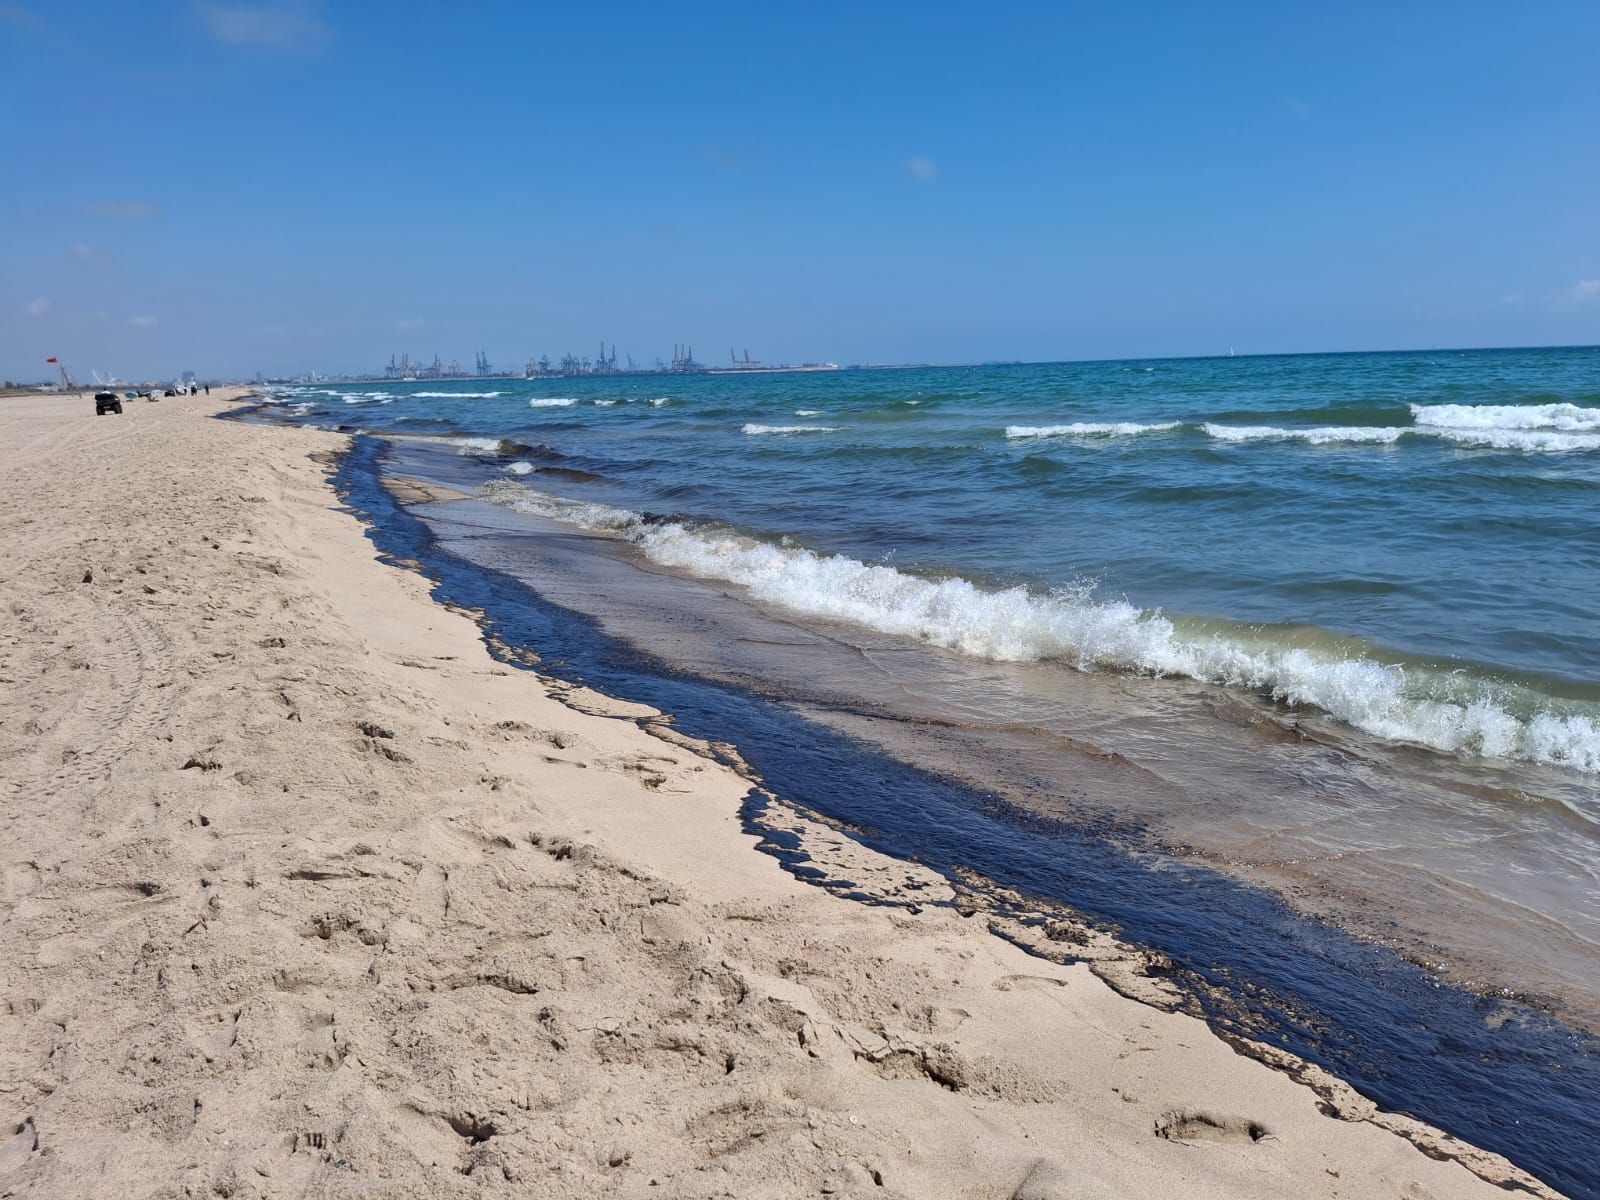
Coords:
105,402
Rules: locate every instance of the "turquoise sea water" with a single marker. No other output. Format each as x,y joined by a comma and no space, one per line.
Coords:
1319,628
1406,542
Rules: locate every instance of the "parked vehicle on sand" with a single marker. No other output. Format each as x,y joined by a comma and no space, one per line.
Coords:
105,402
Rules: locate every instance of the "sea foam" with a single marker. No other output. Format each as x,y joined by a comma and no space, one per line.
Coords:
1564,418
1089,429
1320,436
1074,626
552,402
454,395
1539,441
759,430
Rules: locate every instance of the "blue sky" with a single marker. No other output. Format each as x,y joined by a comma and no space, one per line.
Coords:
292,186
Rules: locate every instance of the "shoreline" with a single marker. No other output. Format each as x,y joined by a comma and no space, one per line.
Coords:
304,889
1178,811
1376,1016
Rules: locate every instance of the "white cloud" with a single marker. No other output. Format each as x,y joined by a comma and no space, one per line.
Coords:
279,25
15,14
89,255
1584,290
37,308
1297,106
409,323
922,167
728,160
144,322
128,210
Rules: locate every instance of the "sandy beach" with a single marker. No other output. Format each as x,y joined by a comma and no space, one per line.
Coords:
305,893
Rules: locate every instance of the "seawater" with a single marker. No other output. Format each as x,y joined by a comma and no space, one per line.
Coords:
1404,541
1243,959
1325,622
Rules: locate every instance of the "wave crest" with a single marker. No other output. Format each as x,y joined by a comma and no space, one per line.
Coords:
1319,436
1563,418
760,430
1442,710
1089,429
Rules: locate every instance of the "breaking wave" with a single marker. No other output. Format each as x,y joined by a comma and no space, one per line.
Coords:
453,395
552,402
759,430
1445,709
1539,441
1089,429
1564,418
1321,436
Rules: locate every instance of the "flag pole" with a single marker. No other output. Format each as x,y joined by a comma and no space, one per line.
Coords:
66,383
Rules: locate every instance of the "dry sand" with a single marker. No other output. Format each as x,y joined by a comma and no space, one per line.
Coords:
305,894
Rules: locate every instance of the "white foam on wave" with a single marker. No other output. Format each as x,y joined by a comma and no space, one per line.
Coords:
1563,418
476,445
1320,436
1089,429
764,430
455,395
552,402
1075,627
1484,433
808,412
1538,441
521,467
659,401
604,403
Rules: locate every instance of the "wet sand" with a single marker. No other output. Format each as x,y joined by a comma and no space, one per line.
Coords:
1479,872
304,891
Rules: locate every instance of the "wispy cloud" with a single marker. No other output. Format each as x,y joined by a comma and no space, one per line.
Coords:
144,322
922,167
280,25
18,17
728,160
91,256
1297,106
409,323
124,210
1583,294
37,307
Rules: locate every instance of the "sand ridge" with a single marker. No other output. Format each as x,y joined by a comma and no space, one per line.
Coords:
304,893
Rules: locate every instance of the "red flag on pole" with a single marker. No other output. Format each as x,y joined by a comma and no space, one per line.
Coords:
50,360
